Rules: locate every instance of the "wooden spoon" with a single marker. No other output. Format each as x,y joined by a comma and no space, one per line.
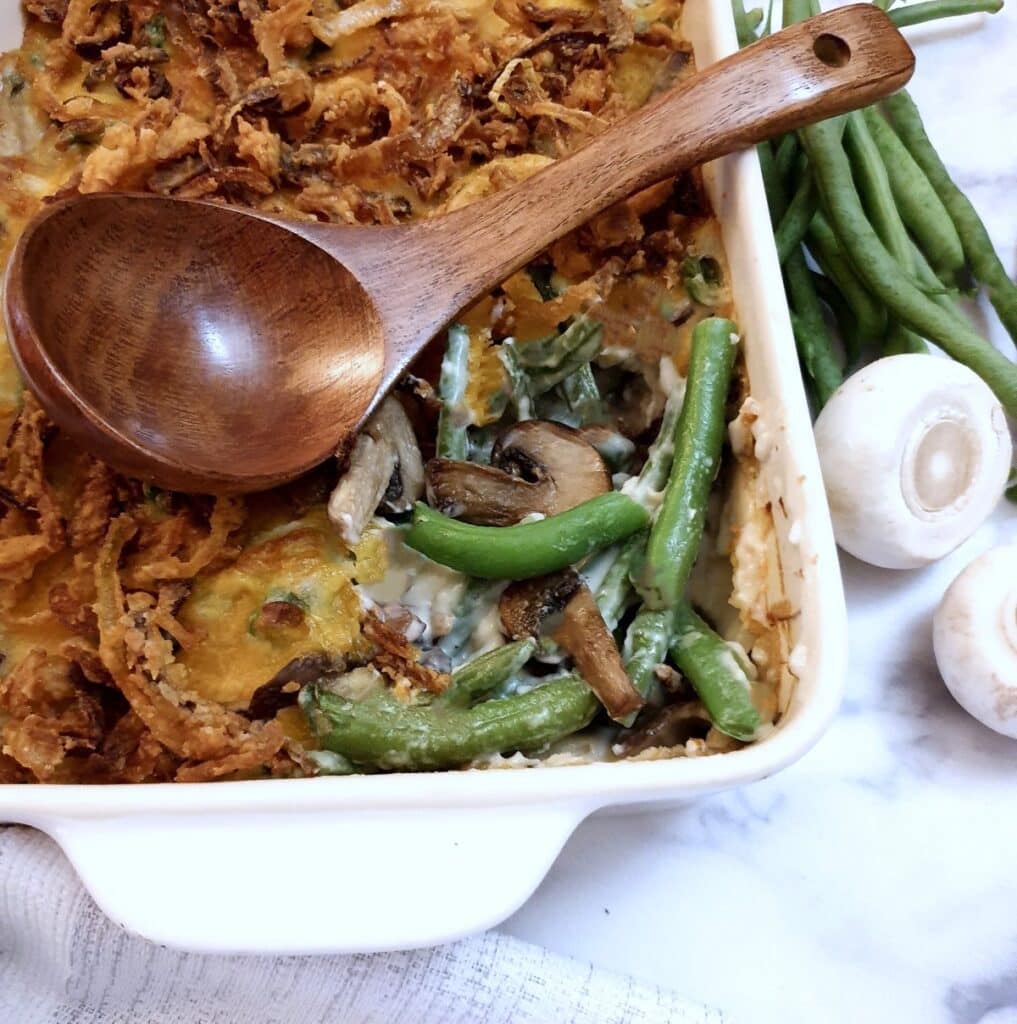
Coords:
214,348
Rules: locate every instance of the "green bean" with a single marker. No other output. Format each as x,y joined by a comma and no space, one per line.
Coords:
476,598
528,549
916,14
744,29
870,314
981,256
786,157
519,382
383,733
899,340
451,442
711,667
945,298
794,225
879,270
1011,487
874,188
847,327
920,207
653,477
583,396
645,647
479,676
678,528
703,280
812,337
548,361
615,590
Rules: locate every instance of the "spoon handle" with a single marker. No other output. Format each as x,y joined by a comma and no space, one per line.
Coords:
828,65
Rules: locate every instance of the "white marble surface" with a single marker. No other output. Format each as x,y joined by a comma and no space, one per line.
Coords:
876,880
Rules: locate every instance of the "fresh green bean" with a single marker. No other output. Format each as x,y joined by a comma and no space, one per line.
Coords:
548,361
945,298
583,396
744,28
451,442
711,667
920,207
786,156
794,225
934,10
528,549
678,528
978,249
1011,487
879,270
847,327
479,676
869,313
899,340
383,733
873,185
812,337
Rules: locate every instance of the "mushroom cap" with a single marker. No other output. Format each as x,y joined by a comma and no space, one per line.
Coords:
975,639
536,466
915,451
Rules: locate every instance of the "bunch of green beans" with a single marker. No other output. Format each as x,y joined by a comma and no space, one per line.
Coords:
867,200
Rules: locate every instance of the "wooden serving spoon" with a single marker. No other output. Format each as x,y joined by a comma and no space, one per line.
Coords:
212,348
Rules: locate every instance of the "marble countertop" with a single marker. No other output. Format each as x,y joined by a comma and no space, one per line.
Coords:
875,880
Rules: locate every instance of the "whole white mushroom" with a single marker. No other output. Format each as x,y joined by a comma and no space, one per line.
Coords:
975,639
915,452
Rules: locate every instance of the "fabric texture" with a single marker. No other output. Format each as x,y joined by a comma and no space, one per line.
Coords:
63,962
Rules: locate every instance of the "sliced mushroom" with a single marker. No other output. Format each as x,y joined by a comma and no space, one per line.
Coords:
670,726
282,689
584,634
536,466
385,469
524,605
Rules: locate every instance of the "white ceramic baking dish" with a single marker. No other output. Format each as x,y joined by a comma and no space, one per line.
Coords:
399,861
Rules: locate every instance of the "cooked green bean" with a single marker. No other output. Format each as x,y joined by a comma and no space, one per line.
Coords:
978,249
881,273
678,528
519,382
451,442
794,225
479,676
476,598
711,667
652,478
615,591
645,647
383,733
920,207
934,10
528,549
583,396
548,361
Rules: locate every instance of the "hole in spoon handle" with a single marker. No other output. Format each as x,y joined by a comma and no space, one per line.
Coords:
833,51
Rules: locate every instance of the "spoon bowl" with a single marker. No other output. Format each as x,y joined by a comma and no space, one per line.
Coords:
214,348
199,340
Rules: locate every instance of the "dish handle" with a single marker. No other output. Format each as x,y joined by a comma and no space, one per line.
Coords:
325,882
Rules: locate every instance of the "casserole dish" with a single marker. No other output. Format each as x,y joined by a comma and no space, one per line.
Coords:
421,859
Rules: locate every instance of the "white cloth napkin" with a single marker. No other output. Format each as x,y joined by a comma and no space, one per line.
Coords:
63,962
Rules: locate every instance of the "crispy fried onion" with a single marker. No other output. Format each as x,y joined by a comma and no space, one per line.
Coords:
137,634
178,548
399,660
31,528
